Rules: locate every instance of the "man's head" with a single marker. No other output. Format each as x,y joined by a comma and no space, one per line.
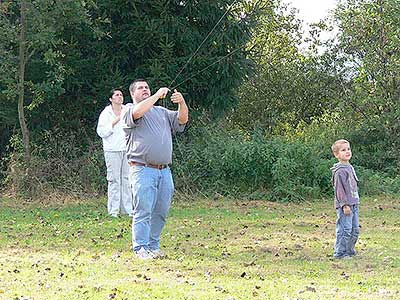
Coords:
139,90
341,150
116,97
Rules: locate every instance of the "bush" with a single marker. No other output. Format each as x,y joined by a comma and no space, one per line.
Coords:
375,183
210,159
232,163
70,164
376,147
213,159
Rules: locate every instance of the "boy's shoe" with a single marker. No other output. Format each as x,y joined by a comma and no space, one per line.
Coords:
157,253
143,254
114,215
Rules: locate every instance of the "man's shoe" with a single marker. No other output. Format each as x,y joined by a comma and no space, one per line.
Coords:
347,257
157,253
343,257
114,215
143,254
353,253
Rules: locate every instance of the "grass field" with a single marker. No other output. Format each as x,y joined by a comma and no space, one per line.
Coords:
216,249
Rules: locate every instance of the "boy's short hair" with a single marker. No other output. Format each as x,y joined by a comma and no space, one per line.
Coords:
335,146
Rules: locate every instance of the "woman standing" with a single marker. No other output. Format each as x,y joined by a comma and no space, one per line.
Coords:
109,128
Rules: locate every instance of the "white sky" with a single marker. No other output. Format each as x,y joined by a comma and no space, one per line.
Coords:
313,10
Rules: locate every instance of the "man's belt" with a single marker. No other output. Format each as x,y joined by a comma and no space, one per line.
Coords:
159,167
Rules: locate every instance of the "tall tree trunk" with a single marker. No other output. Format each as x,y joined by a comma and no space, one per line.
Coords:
21,83
27,191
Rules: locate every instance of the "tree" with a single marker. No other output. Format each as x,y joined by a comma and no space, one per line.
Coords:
152,39
156,39
77,50
31,49
367,58
288,86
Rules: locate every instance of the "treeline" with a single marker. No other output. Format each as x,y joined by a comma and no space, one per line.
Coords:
264,111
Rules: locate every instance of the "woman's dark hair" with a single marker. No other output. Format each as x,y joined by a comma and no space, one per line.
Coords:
113,91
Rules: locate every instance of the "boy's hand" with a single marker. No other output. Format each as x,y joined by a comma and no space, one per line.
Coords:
346,210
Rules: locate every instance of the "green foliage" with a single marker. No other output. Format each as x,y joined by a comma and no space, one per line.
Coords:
78,51
285,93
153,39
62,163
299,174
374,148
32,70
210,159
292,104
369,37
349,91
377,183
287,86
370,141
216,159
367,63
46,70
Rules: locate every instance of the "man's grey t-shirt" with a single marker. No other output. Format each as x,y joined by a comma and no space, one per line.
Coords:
149,138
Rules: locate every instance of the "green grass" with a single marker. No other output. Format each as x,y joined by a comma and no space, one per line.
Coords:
217,249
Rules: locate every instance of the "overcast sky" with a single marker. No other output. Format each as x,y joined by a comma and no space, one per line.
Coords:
313,10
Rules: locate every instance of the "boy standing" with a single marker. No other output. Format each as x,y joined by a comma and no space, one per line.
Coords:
345,180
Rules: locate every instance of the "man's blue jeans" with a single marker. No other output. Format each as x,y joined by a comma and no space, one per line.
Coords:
347,231
152,193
